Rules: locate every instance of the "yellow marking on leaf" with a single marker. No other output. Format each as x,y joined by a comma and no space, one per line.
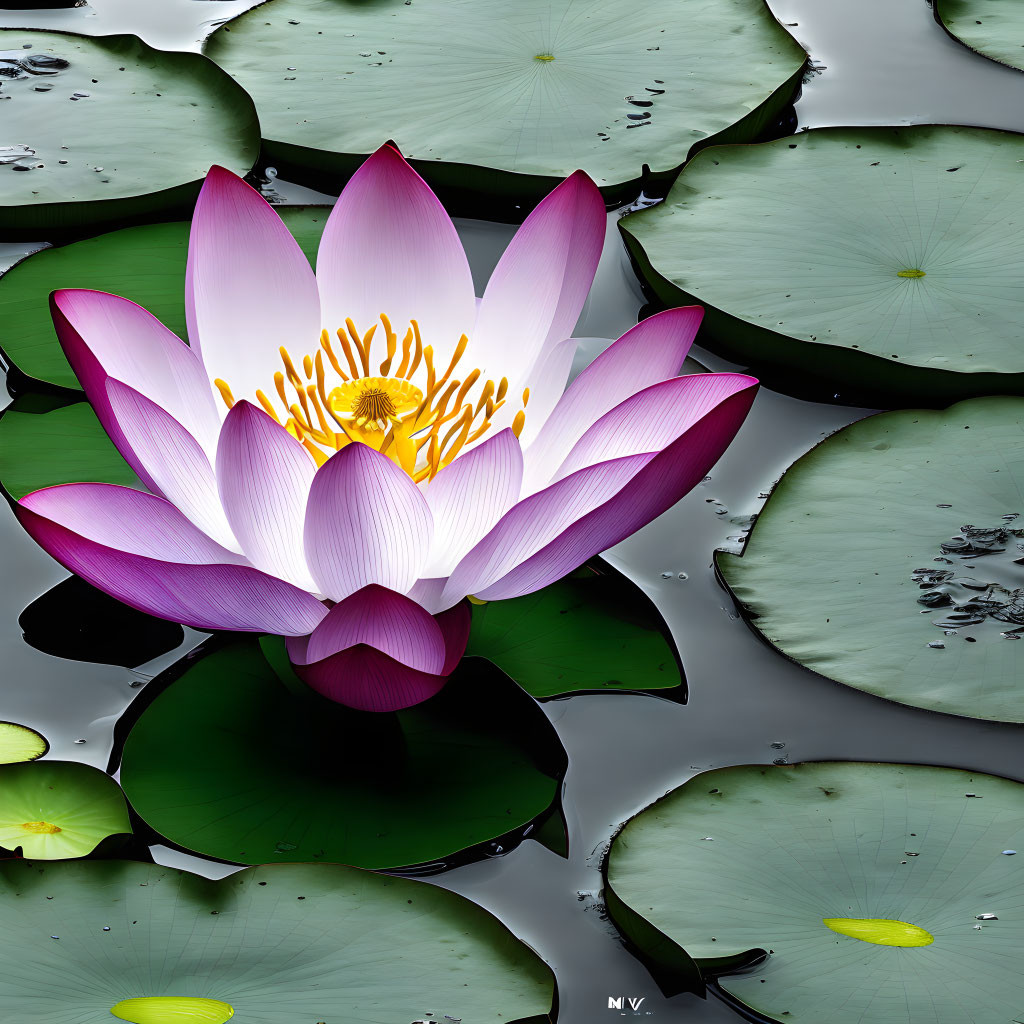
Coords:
173,1010
880,931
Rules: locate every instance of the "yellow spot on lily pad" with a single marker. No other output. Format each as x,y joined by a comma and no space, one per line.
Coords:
42,828
912,272
19,743
173,1010
880,931
544,56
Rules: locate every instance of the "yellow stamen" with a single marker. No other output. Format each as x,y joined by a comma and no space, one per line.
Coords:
43,828
422,431
225,393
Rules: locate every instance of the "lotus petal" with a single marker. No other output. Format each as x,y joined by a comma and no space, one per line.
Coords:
648,353
366,522
468,497
264,475
250,287
536,293
234,597
129,344
389,247
173,459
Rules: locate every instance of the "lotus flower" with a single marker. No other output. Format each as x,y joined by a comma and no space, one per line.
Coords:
341,458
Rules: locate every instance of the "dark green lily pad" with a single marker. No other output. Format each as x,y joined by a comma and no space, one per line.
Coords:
592,632
108,128
861,892
145,264
43,442
52,810
236,761
879,266
20,743
858,569
504,100
280,942
994,28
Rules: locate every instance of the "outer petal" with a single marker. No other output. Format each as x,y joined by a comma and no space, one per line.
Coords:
651,419
264,475
536,521
366,522
251,289
172,458
128,343
390,247
656,488
538,288
363,676
644,355
128,520
380,618
468,497
551,532
234,597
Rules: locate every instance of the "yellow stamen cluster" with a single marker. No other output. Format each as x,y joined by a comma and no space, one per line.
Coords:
420,428
43,828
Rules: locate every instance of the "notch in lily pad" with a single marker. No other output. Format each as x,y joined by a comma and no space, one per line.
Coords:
546,641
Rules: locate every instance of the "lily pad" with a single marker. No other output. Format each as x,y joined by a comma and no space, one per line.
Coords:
859,568
879,266
499,100
108,128
994,28
238,761
20,743
856,892
43,442
548,641
295,942
145,264
51,810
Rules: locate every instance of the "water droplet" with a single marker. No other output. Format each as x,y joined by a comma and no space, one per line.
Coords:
135,683
54,936
985,917
777,744
683,576
973,796
943,506
666,575
707,839
79,741
977,927
936,645
365,54
909,853
721,511
781,760
291,69
106,927
1009,853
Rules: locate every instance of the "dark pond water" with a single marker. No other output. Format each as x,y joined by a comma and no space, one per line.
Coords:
883,62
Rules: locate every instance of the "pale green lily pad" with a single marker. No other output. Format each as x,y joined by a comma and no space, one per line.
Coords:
851,540
880,266
122,130
994,28
745,860
499,99
20,743
281,942
52,810
145,264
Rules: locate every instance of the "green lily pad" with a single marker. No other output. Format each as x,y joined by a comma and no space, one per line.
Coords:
994,28
145,264
546,641
20,743
52,810
108,128
880,266
867,892
499,100
238,761
858,569
280,942
57,444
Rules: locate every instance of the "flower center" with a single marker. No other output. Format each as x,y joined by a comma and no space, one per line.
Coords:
40,827
420,426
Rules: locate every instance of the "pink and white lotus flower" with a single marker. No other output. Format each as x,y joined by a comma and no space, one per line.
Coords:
341,458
